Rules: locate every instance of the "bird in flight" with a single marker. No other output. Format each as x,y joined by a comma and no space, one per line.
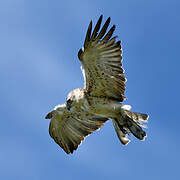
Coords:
87,109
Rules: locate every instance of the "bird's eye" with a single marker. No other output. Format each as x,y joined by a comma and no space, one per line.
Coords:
69,104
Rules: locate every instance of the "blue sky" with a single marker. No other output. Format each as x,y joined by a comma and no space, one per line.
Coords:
39,66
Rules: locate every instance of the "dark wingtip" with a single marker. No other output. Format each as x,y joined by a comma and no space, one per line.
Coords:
101,16
108,20
104,28
80,54
97,27
49,115
88,34
114,27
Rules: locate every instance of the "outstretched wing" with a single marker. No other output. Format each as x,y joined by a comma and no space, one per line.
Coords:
68,131
102,63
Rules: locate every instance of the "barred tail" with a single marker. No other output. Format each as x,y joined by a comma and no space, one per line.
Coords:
130,122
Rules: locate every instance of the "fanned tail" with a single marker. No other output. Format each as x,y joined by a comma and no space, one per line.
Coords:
130,122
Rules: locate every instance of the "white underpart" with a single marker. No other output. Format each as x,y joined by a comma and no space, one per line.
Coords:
126,107
83,72
118,105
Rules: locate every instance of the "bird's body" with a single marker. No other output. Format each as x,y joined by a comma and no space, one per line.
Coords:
79,100
87,109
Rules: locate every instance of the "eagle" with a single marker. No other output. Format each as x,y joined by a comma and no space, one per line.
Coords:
87,109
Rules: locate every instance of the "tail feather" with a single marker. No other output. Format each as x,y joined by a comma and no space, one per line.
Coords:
135,129
130,122
120,133
135,123
137,116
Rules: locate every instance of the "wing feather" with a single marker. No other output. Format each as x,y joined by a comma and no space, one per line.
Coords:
102,63
88,35
109,34
103,30
69,130
96,29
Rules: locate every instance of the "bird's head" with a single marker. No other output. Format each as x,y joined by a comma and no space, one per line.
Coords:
74,98
71,97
